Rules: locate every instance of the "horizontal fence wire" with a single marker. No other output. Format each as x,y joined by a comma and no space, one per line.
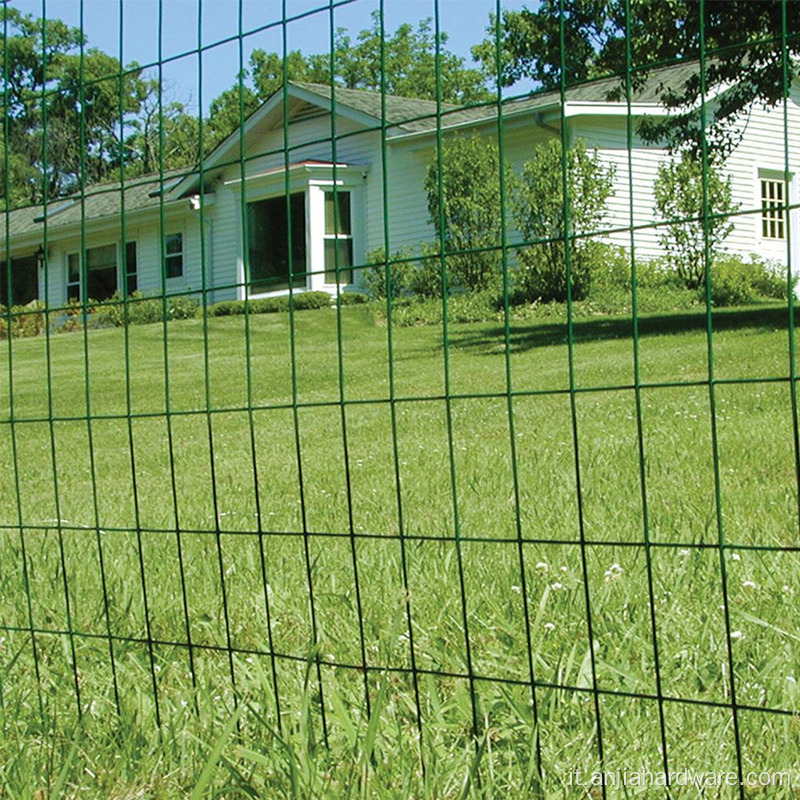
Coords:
334,488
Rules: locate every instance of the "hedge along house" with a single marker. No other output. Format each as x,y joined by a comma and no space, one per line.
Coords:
268,214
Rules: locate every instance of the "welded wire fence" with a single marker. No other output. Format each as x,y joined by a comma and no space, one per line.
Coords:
300,433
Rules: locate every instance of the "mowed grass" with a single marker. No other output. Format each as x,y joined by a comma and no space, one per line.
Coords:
210,495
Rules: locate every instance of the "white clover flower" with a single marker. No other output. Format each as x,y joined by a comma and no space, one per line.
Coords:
683,552
749,584
613,573
516,589
735,557
549,626
564,569
556,586
542,568
737,635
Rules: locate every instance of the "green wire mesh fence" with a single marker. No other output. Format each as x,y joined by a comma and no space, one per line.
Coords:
339,417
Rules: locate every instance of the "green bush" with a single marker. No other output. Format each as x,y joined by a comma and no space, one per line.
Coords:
139,309
311,300
375,275
682,189
464,203
265,305
462,307
539,214
610,267
353,298
270,305
425,280
228,308
182,307
738,282
27,320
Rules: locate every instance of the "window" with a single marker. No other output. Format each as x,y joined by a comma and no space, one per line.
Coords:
24,281
73,277
131,282
269,245
773,212
101,273
173,245
338,238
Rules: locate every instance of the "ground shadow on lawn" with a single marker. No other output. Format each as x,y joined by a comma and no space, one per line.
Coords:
545,334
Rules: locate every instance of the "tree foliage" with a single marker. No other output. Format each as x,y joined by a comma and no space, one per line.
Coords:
464,204
550,224
409,57
743,39
63,108
695,236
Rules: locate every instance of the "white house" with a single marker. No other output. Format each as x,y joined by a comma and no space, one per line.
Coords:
228,227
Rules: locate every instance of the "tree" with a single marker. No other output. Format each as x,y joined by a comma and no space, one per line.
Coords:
63,107
680,196
464,206
743,40
409,58
409,64
161,122
544,219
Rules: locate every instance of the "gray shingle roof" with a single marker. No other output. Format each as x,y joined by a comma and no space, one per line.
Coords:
406,114
101,201
414,116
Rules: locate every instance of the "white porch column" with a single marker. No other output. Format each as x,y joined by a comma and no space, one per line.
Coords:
315,242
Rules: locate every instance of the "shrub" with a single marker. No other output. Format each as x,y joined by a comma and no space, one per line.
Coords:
270,305
227,308
353,298
679,195
539,214
737,282
610,267
264,305
463,307
182,307
375,275
425,280
311,300
464,209
27,320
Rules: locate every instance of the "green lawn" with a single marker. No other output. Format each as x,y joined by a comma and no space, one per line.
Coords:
217,520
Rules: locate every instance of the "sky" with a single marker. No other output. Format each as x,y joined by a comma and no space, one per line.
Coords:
214,25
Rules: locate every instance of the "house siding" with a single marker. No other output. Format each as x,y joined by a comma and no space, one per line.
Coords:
761,147
404,207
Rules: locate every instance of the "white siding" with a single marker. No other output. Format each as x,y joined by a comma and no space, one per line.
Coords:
761,147
147,235
408,163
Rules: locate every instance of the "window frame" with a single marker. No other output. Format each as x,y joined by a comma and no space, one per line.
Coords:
173,256
313,179
772,194
337,236
81,282
300,276
122,280
130,274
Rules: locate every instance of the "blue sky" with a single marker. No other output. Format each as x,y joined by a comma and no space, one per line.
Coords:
463,20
